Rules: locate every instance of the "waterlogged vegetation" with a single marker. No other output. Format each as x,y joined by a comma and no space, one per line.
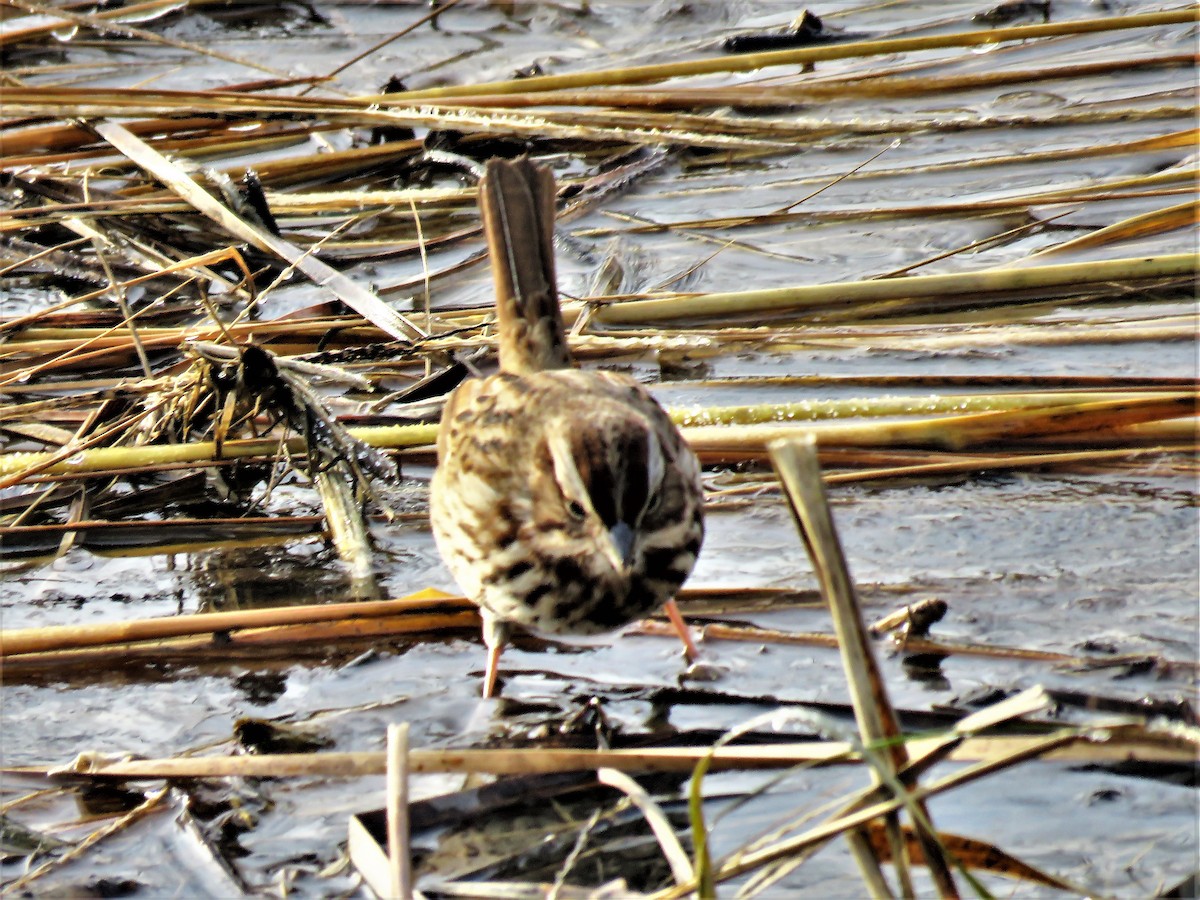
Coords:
954,243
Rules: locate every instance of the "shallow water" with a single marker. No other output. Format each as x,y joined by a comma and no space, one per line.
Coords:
1066,561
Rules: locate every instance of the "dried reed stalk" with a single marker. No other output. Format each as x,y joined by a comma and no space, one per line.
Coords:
350,292
800,472
963,284
1115,744
752,61
57,638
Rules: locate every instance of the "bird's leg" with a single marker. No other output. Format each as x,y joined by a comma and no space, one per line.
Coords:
495,636
680,626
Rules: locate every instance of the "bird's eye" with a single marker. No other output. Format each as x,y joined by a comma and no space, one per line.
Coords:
575,508
653,502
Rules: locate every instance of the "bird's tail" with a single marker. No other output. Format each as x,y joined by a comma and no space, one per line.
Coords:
516,199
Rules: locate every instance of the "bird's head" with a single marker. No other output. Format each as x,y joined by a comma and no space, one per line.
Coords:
609,477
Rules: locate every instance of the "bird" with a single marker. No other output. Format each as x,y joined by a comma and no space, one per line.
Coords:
565,501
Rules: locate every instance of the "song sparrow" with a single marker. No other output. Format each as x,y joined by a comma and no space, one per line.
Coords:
564,501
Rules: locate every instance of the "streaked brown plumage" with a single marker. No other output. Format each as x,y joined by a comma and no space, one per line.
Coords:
564,501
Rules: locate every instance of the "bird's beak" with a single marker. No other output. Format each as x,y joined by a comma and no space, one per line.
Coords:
623,539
